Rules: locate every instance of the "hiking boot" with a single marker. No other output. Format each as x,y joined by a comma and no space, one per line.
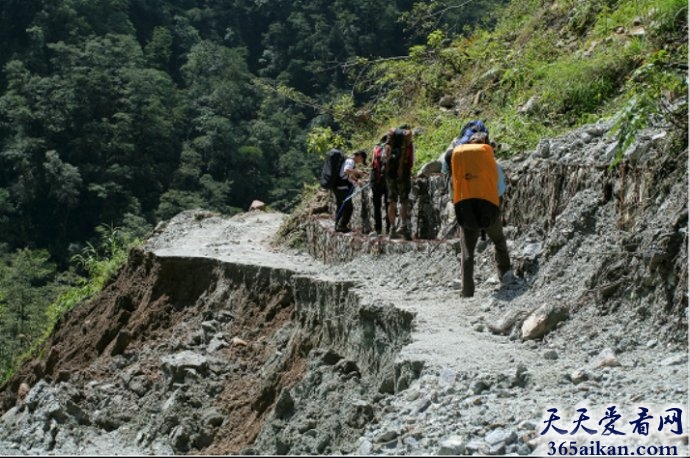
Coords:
374,234
468,288
344,230
508,277
394,235
405,232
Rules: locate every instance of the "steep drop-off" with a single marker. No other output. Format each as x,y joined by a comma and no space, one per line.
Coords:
215,339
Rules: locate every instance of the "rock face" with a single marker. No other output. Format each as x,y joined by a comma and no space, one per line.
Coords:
213,348
214,339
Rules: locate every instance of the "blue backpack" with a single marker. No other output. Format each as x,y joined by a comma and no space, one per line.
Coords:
466,133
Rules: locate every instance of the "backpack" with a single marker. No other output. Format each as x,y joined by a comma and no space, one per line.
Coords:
399,153
468,130
378,177
466,133
330,174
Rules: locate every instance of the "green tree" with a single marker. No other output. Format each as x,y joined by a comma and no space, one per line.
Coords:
94,140
26,290
158,51
307,46
278,132
220,99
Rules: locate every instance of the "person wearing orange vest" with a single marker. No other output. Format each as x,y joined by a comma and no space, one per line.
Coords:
475,179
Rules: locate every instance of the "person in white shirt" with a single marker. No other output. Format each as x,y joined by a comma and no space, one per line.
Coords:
350,176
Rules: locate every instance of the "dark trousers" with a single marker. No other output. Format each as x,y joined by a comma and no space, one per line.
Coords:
343,212
469,243
380,196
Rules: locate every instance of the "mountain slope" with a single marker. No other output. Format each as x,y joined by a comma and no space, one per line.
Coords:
214,339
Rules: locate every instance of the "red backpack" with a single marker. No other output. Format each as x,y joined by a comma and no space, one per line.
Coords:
398,156
377,176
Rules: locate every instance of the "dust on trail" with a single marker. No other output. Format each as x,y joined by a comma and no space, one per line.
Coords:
442,335
243,239
450,334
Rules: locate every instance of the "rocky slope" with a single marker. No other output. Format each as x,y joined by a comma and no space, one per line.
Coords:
215,339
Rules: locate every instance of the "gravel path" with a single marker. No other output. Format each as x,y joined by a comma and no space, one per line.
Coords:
473,381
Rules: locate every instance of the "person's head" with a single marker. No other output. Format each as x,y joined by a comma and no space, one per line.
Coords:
361,157
479,137
384,139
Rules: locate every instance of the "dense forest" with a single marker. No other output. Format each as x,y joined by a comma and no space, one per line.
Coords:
118,114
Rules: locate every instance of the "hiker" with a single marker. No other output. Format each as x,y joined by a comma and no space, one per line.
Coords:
398,161
377,182
350,177
475,178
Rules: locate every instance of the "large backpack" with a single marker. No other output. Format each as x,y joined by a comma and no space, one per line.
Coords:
468,130
330,174
399,154
377,177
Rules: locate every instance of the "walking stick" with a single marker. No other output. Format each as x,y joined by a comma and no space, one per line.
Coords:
353,192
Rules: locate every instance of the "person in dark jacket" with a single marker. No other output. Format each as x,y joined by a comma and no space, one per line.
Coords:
379,193
350,177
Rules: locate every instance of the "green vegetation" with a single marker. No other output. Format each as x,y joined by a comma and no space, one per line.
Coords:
34,295
125,112
97,265
546,67
25,291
